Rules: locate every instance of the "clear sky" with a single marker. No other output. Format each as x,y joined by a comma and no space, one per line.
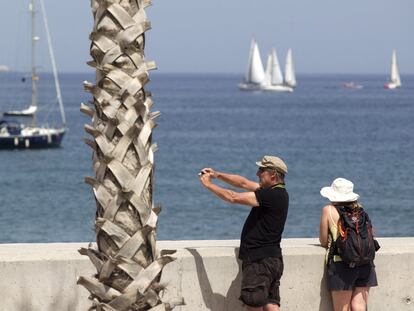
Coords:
327,36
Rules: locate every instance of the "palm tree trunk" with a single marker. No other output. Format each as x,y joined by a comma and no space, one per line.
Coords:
127,263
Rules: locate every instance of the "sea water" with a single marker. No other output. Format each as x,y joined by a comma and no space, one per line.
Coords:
321,130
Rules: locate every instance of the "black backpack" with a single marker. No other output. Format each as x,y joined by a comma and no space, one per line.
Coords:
355,243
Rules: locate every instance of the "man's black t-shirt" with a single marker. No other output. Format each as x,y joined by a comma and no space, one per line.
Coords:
262,231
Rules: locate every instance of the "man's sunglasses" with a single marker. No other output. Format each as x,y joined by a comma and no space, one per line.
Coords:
263,169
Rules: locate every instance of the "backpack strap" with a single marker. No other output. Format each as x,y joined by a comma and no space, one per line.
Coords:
332,250
330,216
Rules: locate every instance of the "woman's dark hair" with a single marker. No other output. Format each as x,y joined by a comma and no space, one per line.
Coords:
353,204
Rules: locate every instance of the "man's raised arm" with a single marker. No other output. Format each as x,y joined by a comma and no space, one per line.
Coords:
232,179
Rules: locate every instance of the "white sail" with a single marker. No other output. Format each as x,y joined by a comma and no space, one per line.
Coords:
395,75
273,74
277,77
290,78
268,72
255,72
249,62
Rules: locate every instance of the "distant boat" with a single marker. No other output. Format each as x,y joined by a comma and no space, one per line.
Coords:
256,79
395,80
352,85
18,129
273,76
4,68
254,73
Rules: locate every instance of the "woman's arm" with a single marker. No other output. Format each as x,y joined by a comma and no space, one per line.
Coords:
324,226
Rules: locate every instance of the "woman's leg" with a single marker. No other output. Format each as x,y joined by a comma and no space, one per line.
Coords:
271,307
342,300
360,299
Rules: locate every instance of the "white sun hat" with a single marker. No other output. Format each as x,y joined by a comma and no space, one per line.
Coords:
341,190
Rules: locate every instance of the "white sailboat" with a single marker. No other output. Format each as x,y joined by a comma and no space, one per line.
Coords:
256,79
395,80
255,73
273,77
26,135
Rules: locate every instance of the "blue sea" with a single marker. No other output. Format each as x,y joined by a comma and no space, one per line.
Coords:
322,131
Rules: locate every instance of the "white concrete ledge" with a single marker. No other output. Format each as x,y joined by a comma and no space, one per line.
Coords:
206,273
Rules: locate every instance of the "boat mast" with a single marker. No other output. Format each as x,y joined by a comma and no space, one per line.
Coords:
34,39
53,61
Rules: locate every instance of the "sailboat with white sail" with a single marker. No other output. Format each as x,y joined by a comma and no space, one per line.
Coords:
273,77
15,134
395,80
255,73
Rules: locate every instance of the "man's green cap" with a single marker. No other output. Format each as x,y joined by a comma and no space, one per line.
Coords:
273,163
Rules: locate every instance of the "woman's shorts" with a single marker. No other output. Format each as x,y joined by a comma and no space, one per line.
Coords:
260,281
342,277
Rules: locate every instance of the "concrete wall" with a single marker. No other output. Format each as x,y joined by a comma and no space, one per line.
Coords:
206,273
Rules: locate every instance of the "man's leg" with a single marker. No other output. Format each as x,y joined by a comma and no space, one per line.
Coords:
268,273
253,291
274,275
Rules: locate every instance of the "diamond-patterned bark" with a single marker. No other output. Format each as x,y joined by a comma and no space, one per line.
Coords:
128,266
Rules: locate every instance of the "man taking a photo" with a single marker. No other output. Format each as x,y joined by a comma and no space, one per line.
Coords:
260,252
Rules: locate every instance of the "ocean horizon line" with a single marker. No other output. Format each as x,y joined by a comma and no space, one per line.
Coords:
158,72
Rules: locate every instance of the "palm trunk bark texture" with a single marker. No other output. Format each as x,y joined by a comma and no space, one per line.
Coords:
125,256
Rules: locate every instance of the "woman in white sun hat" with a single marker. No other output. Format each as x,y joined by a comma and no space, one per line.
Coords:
348,285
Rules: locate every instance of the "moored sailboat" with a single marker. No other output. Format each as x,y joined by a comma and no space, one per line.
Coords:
395,80
26,134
